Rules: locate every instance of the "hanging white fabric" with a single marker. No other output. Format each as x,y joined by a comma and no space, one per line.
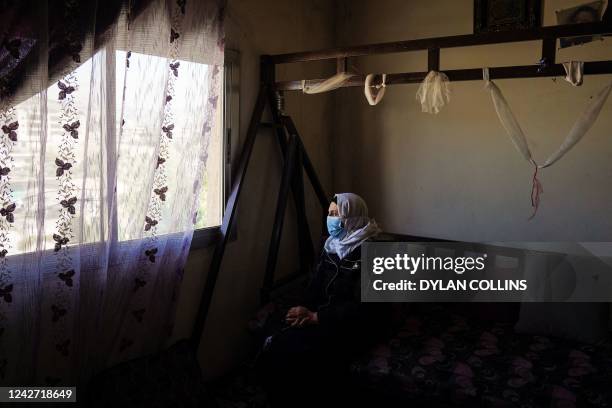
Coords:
574,72
329,84
582,125
379,89
507,119
434,92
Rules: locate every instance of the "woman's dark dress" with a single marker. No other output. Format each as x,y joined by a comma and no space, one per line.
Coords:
303,365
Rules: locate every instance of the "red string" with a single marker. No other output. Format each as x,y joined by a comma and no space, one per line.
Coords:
536,190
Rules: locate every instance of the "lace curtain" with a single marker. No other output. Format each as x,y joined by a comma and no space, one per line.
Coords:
107,114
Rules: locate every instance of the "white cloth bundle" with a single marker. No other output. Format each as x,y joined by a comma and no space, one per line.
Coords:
329,84
380,89
434,92
573,72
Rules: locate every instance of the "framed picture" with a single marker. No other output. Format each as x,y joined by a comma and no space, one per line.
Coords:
502,15
585,13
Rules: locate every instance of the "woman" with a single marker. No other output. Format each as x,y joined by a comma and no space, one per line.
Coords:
306,360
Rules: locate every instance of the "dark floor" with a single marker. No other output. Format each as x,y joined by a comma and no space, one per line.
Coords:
238,390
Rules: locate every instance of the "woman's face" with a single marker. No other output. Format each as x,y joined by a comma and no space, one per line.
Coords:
333,210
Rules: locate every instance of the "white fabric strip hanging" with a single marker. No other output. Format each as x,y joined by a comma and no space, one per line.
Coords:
507,119
434,92
514,131
581,126
574,72
329,84
380,89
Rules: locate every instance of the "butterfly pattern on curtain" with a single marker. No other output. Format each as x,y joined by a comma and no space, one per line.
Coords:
91,261
7,140
66,197
160,179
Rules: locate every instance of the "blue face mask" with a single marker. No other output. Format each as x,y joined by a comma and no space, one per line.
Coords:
334,226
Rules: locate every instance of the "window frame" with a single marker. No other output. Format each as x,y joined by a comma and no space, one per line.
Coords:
209,236
202,237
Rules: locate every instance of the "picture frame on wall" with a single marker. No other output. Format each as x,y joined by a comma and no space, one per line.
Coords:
589,12
504,15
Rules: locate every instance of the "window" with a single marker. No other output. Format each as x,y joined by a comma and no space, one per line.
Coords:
127,214
217,180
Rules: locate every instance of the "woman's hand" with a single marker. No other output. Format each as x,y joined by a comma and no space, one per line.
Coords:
300,316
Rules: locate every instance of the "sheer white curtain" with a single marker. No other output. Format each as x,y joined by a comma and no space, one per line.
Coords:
106,122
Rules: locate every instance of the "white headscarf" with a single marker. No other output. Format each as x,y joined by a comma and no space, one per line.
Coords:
358,227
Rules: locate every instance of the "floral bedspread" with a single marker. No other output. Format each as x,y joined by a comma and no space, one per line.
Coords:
448,358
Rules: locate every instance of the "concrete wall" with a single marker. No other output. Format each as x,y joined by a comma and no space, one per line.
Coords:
456,174
256,27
